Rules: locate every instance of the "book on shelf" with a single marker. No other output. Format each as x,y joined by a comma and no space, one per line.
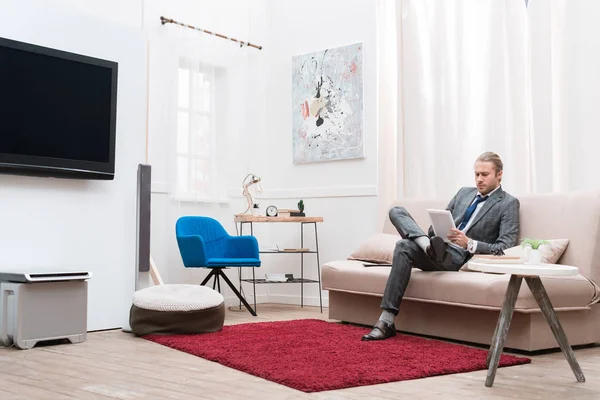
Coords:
296,250
270,249
286,212
270,277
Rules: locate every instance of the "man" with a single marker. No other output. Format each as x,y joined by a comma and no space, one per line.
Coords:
487,221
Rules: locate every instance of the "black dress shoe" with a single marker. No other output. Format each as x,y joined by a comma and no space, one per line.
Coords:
380,331
437,251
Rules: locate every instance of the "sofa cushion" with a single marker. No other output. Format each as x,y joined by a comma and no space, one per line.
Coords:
378,248
549,254
459,288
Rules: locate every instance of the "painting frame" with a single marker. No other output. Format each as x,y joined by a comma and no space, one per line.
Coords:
328,105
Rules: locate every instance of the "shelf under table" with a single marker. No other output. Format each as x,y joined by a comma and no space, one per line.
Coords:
295,280
286,252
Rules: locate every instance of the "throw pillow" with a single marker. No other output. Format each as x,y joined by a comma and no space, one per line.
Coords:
377,249
549,254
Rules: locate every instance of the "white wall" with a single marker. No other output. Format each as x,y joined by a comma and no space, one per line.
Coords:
123,12
342,192
296,28
90,225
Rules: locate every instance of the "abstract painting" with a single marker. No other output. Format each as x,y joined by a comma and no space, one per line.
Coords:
327,104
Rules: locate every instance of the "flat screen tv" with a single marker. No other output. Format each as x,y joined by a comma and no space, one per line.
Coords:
57,112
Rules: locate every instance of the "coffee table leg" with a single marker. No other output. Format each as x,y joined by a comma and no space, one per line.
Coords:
510,299
489,355
540,295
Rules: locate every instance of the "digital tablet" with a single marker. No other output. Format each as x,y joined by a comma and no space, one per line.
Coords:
442,222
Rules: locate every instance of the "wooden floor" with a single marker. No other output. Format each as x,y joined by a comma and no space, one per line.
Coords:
117,365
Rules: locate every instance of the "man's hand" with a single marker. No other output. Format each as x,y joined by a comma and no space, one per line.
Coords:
458,237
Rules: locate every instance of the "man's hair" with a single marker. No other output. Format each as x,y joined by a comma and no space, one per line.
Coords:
493,158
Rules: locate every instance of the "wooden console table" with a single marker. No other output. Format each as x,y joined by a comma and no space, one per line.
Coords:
252,219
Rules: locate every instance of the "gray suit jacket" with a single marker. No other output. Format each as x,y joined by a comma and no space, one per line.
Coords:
496,225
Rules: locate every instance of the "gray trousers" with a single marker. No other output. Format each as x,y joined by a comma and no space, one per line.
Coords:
408,254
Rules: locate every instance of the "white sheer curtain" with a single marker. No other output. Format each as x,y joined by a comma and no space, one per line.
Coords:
464,91
473,76
565,39
197,83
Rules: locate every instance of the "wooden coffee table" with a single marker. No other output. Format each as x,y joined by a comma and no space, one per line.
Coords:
532,274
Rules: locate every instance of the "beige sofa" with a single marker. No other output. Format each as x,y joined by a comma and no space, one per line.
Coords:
465,305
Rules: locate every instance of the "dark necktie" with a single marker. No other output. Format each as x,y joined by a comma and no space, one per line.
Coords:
470,211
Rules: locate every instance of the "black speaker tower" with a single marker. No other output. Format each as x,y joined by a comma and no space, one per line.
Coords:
143,217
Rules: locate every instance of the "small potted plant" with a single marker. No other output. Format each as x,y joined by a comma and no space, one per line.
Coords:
256,209
300,212
534,252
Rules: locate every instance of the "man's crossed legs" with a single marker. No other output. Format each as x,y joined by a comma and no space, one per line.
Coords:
418,250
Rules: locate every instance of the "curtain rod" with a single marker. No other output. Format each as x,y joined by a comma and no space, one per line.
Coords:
164,20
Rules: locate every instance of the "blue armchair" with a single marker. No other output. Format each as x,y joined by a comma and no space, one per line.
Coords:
204,243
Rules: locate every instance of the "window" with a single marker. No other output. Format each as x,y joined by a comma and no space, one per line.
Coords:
196,152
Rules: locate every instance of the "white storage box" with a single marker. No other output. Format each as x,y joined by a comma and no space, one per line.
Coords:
43,306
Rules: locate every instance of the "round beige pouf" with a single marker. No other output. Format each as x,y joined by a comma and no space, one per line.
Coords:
178,309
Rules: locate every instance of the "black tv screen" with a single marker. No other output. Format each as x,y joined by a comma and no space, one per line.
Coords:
57,112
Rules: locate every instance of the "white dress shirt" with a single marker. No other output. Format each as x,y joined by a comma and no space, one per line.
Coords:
473,248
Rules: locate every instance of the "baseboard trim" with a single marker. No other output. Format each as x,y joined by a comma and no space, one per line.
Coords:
234,301
278,299
295,300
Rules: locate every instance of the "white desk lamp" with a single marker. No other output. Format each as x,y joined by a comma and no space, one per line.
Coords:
248,181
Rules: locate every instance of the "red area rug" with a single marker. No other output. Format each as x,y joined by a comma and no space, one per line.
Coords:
312,355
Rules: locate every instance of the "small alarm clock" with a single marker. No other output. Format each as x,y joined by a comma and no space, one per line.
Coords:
272,211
